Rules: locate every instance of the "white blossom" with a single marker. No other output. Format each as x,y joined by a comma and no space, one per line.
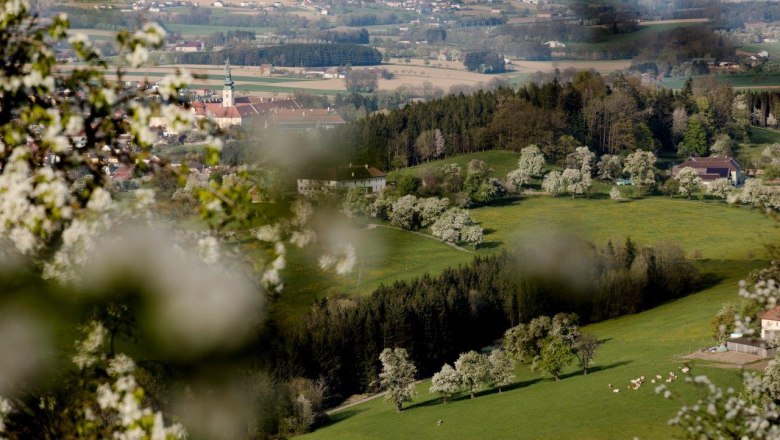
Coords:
342,259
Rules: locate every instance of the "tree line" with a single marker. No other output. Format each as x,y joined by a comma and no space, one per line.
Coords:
289,55
616,117
435,319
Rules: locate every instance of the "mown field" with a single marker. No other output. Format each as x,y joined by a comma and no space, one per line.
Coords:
576,407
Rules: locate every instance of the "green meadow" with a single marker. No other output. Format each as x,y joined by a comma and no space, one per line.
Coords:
502,162
705,230
577,406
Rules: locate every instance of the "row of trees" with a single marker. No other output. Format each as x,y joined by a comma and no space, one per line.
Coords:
449,224
289,55
550,344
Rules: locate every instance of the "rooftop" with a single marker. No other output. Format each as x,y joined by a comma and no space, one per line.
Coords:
771,315
352,172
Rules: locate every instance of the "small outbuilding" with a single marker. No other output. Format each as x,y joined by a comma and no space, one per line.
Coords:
756,346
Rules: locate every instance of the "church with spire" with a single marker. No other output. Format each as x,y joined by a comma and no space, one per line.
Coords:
227,92
231,110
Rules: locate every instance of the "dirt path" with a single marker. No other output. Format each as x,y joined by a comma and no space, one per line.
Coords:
355,403
362,400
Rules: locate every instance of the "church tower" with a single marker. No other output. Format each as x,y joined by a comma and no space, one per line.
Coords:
227,92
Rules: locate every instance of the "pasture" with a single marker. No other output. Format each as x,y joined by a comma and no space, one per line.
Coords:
706,230
577,406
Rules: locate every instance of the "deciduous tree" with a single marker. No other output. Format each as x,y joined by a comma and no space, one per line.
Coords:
640,165
530,165
554,356
446,382
502,369
397,376
689,180
474,371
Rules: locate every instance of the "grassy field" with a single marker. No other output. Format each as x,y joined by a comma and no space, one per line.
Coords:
649,30
759,139
737,80
772,48
502,161
709,230
577,407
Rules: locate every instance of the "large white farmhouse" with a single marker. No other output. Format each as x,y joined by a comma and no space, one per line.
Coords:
352,176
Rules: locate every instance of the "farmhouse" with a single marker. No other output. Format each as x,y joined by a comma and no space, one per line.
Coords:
352,176
763,346
770,324
190,46
712,168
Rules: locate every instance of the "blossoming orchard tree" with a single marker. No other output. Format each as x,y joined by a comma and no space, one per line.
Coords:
73,257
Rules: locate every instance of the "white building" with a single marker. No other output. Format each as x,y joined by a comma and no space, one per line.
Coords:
770,324
353,176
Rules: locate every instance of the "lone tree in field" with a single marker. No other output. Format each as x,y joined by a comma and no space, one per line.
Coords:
689,180
530,164
474,370
584,348
502,369
640,165
397,376
553,358
446,382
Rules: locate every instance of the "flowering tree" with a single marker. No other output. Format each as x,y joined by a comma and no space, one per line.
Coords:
406,213
609,168
431,208
446,382
474,371
553,183
530,164
397,376
720,188
640,166
502,369
455,226
689,180
62,133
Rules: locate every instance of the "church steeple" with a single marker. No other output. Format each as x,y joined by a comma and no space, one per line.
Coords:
227,91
